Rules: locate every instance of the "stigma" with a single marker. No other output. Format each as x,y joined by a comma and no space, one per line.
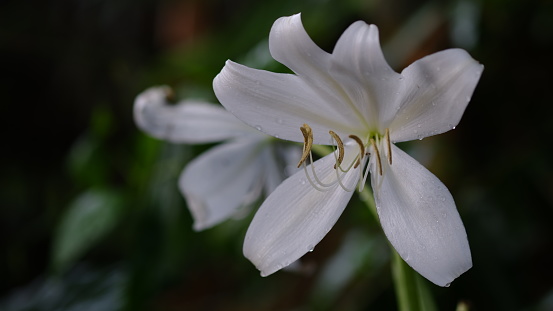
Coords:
370,149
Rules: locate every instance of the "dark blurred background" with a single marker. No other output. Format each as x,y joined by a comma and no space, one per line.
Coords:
90,214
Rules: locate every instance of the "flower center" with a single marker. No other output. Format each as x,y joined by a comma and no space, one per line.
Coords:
370,147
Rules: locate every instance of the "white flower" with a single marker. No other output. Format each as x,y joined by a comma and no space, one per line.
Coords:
227,177
354,100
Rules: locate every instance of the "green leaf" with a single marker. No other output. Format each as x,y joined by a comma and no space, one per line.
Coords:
89,217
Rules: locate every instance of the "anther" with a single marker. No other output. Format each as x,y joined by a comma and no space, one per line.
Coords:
307,142
389,146
373,143
340,148
361,147
169,94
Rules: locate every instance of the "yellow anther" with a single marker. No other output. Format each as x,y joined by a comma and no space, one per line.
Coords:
307,142
373,143
361,147
340,148
387,137
169,94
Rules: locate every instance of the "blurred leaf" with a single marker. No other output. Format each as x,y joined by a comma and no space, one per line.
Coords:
84,288
89,218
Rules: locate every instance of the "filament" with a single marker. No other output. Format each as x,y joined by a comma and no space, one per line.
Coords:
377,153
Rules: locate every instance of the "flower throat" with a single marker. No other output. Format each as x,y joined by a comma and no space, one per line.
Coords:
372,144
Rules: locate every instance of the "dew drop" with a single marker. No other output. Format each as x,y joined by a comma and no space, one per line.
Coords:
258,127
447,285
311,248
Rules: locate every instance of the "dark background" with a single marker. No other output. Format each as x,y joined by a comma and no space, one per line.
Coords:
90,215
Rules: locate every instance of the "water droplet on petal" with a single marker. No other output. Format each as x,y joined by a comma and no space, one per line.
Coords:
447,285
258,127
311,248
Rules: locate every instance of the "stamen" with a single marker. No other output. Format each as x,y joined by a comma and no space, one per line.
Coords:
387,137
311,181
307,142
373,143
316,177
169,94
340,148
342,184
361,146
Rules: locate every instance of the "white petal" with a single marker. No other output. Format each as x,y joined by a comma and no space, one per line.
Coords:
220,181
290,44
295,217
360,67
278,104
186,122
419,217
434,95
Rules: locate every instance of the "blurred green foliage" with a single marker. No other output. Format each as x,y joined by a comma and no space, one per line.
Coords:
91,218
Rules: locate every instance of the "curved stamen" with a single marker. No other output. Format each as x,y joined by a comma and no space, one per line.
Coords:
307,142
361,147
342,184
387,137
310,180
316,177
373,143
340,148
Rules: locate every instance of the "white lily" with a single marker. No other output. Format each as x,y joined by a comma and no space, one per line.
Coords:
353,99
227,177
